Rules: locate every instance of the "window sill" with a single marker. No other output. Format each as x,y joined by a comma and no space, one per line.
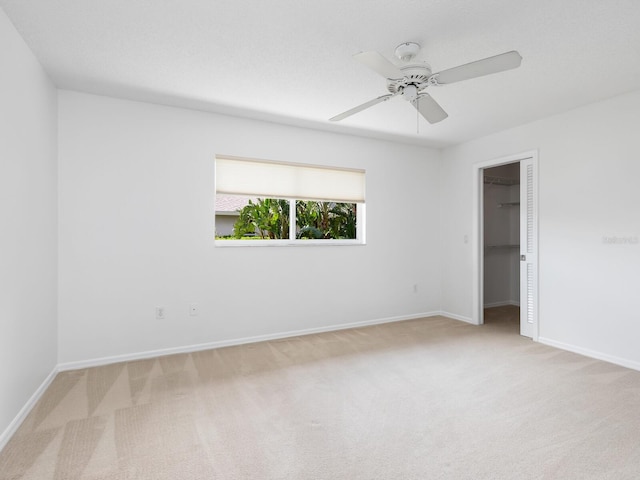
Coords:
287,243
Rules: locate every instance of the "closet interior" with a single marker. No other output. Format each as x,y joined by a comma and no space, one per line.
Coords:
501,227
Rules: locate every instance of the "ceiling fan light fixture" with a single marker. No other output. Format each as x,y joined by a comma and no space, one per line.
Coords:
407,51
410,93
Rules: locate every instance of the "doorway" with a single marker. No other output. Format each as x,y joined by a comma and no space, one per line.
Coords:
505,239
501,252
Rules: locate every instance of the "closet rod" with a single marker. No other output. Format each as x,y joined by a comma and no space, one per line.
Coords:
507,182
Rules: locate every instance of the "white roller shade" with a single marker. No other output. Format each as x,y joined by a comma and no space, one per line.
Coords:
237,176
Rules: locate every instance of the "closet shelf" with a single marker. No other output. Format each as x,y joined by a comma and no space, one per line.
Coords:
507,182
508,204
491,247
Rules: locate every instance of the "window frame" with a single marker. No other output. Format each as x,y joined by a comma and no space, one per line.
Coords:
292,240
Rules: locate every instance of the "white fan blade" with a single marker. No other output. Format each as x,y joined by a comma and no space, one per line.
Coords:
479,68
379,64
429,108
364,106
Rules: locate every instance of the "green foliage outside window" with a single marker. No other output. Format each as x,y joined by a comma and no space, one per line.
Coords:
269,219
325,220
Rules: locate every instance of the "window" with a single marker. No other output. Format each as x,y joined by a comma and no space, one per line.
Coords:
261,202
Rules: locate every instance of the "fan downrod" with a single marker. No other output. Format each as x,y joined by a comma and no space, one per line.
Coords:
407,51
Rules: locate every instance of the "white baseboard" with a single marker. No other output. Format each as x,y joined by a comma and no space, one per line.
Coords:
95,362
623,362
24,411
457,317
501,304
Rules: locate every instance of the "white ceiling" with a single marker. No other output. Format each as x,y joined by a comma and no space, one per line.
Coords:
290,60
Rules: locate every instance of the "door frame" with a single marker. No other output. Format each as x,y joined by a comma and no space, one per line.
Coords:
477,235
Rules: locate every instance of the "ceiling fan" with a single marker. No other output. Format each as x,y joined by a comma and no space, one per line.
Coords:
412,79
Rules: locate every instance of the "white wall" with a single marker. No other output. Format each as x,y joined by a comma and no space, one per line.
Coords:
136,231
589,170
28,238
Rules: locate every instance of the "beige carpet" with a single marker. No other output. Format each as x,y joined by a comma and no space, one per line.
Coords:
423,399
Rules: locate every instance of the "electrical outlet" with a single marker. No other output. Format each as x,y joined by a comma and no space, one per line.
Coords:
193,309
159,313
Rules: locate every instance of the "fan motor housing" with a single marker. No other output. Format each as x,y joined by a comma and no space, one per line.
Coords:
415,74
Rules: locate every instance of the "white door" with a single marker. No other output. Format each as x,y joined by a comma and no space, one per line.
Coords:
528,249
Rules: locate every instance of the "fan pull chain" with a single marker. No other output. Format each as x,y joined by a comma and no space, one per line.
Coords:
417,116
